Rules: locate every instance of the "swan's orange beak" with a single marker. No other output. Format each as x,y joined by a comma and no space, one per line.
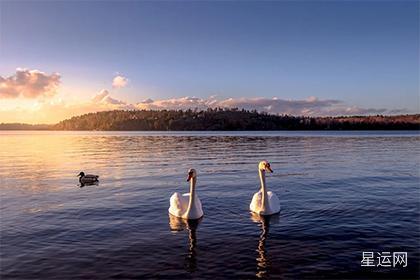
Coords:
190,175
269,169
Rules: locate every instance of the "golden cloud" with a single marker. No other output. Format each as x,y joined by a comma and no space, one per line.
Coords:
29,84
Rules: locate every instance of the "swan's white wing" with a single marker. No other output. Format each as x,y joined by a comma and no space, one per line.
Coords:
273,203
197,210
178,204
255,205
198,203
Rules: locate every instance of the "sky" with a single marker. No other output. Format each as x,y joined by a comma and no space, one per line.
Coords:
317,58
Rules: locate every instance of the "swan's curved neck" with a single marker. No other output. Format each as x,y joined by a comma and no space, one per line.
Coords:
193,181
263,188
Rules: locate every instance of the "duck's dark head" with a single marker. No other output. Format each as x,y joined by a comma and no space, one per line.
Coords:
81,174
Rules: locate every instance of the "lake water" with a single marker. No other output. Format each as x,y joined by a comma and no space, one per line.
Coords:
341,193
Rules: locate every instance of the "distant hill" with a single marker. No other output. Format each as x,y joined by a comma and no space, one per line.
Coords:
221,119
24,126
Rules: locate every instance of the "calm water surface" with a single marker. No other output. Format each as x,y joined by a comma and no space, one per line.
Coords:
341,193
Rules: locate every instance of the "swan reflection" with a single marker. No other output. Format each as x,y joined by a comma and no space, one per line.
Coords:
177,224
263,261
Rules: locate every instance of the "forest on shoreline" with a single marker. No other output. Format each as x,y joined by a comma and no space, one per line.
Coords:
218,119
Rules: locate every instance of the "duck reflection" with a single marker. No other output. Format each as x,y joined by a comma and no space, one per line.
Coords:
177,224
263,261
88,184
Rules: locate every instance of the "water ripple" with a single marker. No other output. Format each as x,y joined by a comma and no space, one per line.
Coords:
341,193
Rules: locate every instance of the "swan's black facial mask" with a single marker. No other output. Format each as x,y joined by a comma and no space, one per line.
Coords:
190,175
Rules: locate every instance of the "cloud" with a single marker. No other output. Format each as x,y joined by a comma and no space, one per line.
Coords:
309,106
119,81
147,101
176,103
312,106
104,98
100,96
29,84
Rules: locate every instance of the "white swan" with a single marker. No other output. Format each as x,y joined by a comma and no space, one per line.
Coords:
188,205
264,202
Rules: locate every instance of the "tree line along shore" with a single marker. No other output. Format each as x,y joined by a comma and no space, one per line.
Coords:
219,119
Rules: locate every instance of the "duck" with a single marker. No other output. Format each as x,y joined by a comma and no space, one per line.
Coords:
264,202
188,205
87,178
